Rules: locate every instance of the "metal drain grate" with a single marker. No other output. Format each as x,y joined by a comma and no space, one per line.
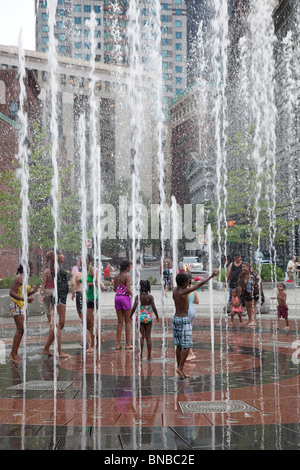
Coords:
41,385
215,406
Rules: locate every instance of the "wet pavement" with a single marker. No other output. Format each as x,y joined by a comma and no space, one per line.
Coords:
244,396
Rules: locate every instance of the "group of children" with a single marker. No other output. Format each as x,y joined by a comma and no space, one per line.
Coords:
184,295
282,308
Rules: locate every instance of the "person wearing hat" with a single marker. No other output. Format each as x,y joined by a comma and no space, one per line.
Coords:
233,273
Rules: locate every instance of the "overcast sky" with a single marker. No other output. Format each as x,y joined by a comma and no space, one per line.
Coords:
14,15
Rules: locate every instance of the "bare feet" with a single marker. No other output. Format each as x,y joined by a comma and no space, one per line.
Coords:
182,374
129,347
287,329
63,355
16,359
191,357
47,352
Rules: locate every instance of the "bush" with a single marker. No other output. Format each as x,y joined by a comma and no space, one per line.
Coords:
6,282
267,272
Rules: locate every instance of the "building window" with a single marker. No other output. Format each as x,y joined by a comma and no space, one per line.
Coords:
60,12
178,24
96,9
178,58
178,69
77,20
178,35
45,16
45,39
164,18
178,12
87,8
78,45
13,109
77,8
178,47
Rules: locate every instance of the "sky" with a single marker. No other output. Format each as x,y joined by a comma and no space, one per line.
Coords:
14,15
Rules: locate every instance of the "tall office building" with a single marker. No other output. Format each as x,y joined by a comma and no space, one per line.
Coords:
73,34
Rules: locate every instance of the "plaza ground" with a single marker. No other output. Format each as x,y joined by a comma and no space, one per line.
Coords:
244,396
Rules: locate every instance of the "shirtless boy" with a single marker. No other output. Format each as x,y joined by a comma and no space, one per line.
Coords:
182,328
282,308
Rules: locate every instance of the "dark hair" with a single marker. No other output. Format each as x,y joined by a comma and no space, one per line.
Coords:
124,264
282,284
182,278
145,286
20,269
89,258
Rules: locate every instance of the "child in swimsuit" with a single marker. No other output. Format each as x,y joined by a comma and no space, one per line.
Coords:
17,309
147,307
123,302
282,308
236,306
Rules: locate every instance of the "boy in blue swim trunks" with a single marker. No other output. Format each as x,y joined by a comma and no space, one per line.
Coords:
182,328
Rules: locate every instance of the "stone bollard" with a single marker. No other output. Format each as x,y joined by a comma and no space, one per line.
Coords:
35,308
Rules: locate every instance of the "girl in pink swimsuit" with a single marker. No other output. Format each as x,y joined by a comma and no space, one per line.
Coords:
123,302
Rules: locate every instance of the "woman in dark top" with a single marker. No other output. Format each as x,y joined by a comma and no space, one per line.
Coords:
249,291
233,273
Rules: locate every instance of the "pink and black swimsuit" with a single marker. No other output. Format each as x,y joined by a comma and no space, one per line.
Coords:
122,299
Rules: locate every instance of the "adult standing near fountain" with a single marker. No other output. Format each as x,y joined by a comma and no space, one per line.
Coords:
167,272
60,302
123,302
290,269
18,311
233,273
250,290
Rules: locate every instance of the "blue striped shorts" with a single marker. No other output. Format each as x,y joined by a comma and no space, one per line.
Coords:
182,332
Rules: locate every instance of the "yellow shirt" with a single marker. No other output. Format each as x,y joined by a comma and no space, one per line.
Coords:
20,303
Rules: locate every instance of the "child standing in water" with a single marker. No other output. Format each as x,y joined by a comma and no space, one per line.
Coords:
147,307
182,328
236,306
123,302
282,308
18,311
